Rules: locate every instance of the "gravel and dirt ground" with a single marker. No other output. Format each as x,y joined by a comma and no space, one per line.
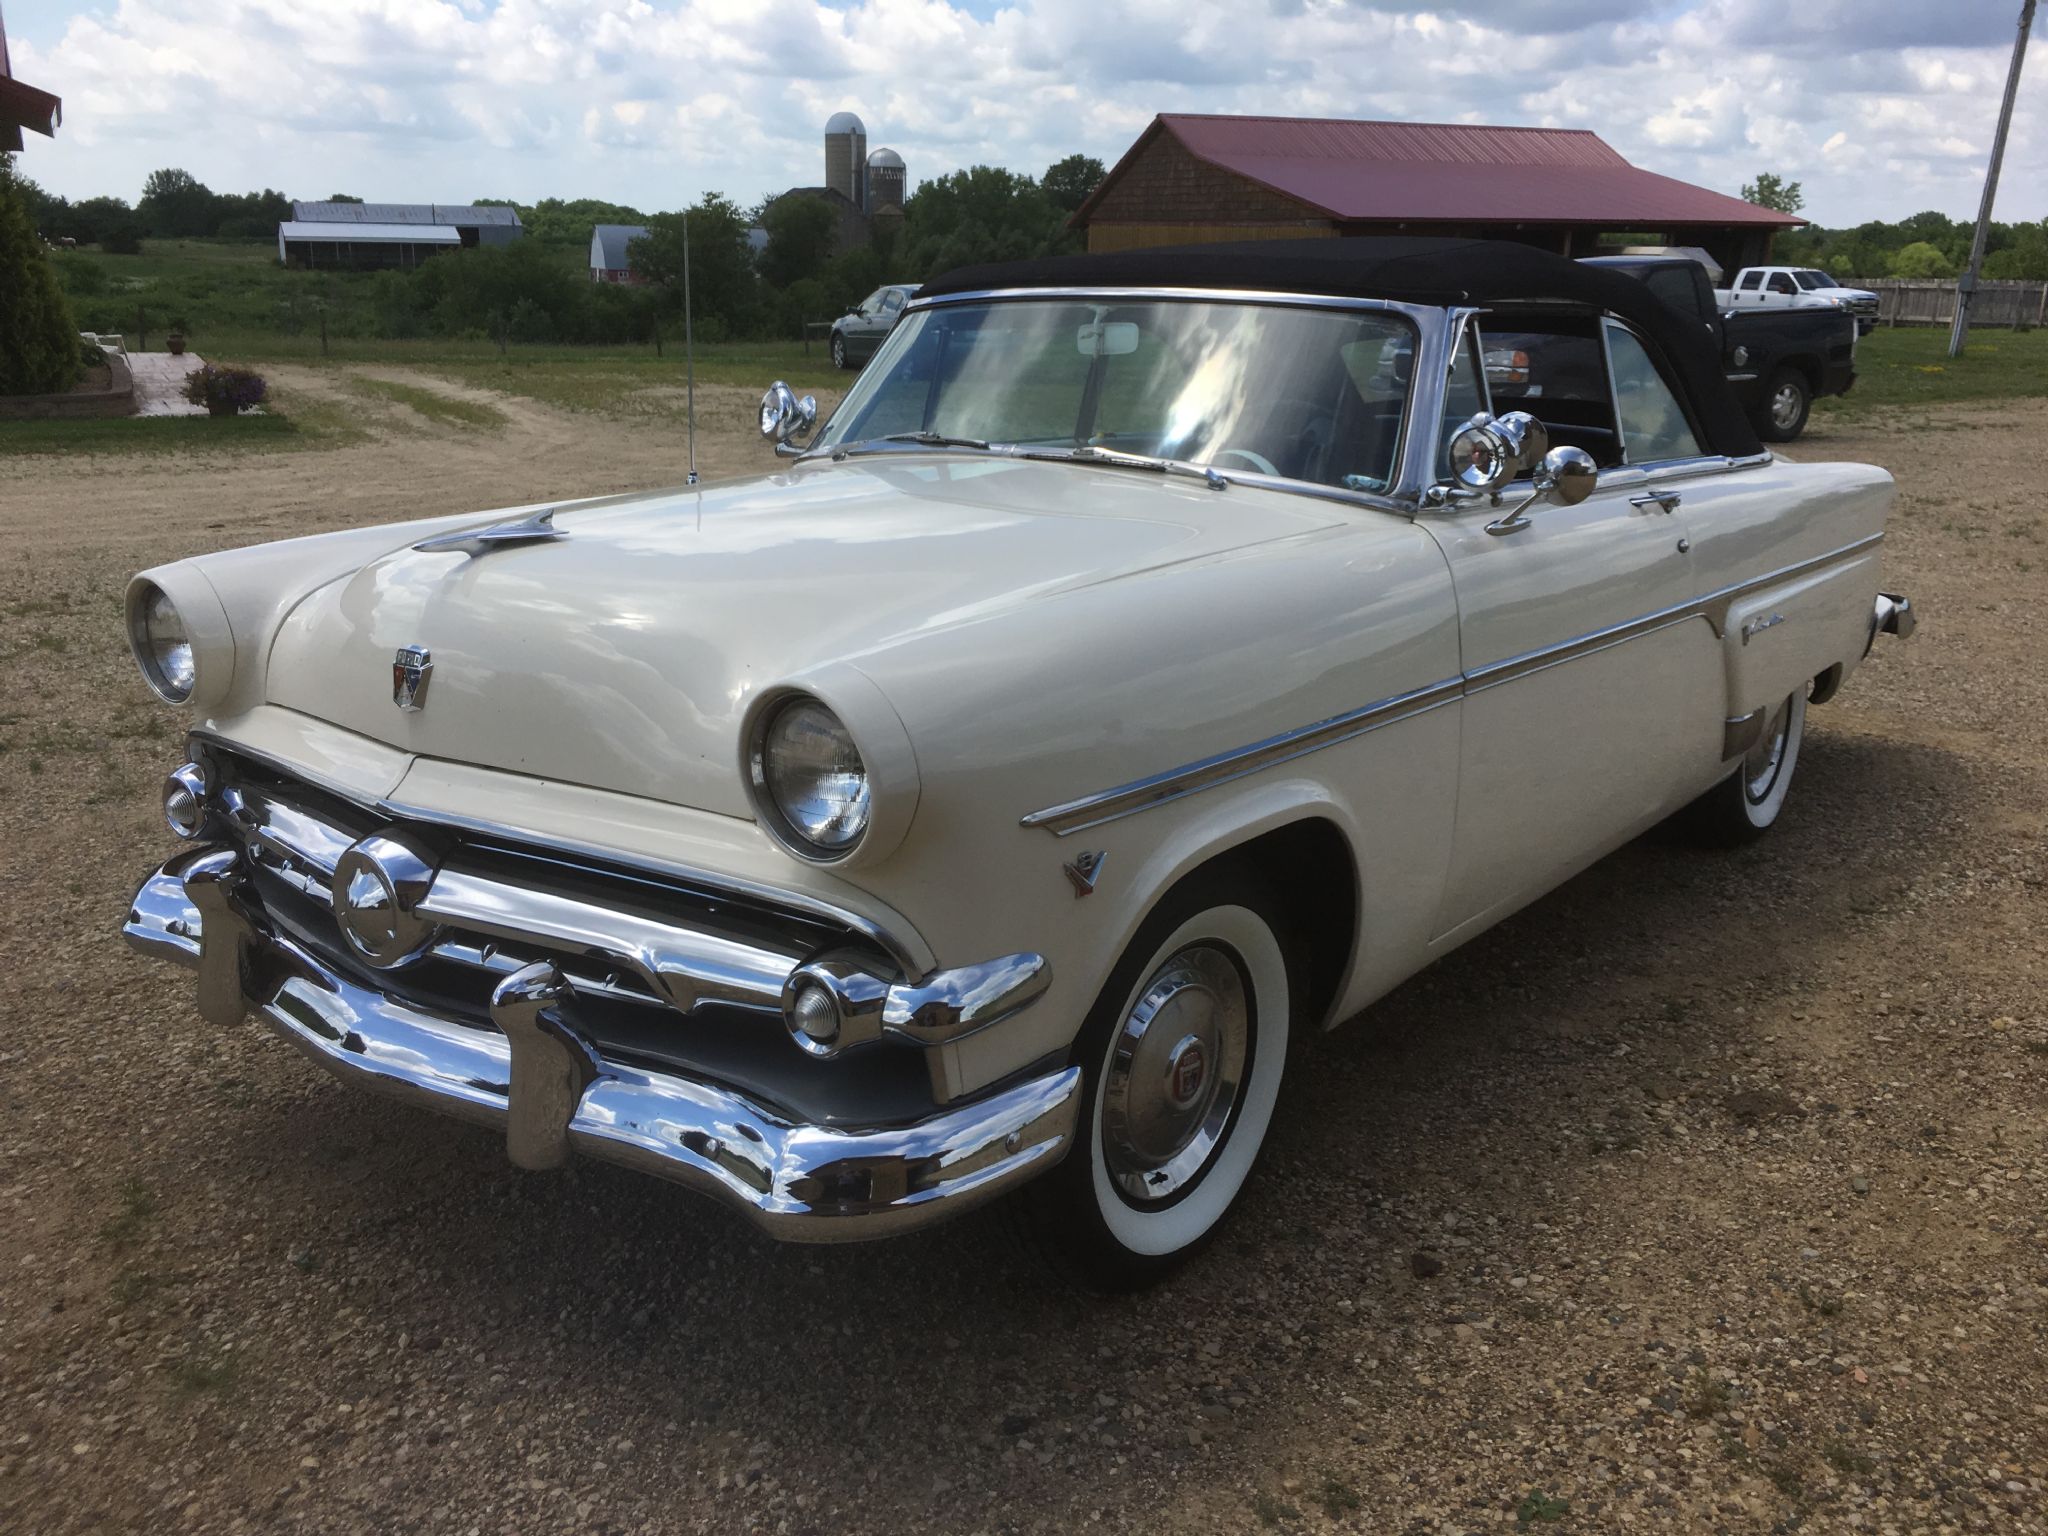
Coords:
1705,1196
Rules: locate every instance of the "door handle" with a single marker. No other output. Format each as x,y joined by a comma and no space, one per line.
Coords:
1664,501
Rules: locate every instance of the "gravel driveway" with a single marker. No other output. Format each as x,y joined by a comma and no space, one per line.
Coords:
1707,1195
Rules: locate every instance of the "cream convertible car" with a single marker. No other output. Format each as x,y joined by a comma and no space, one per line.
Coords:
1153,660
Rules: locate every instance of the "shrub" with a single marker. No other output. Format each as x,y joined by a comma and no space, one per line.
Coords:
223,390
38,337
1922,259
123,239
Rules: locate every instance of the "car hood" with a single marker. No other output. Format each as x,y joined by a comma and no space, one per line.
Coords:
624,654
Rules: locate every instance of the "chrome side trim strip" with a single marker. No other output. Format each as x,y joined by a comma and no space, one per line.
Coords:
1142,794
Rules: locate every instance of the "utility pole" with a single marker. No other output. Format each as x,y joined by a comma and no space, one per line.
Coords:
1966,285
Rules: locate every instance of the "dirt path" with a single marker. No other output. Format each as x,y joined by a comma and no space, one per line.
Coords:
1706,1196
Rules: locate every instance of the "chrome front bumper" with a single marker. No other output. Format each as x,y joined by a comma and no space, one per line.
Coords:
536,1077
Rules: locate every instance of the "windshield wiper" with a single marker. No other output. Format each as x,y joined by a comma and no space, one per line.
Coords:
922,439
1088,453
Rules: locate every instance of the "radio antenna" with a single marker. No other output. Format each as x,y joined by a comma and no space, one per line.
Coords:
689,353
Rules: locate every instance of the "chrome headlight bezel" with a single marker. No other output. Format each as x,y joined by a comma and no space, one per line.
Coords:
769,798
153,617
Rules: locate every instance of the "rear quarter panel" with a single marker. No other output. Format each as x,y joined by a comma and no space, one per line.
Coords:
1797,552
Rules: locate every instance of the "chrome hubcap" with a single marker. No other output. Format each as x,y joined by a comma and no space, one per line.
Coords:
1175,1073
1785,405
1760,766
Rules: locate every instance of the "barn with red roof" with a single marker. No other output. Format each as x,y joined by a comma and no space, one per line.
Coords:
1193,179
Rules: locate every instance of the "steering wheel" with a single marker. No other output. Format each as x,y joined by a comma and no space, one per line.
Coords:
1258,461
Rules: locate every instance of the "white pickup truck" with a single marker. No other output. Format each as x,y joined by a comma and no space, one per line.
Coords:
1798,288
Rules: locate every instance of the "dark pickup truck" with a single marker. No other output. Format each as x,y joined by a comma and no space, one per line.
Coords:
1778,361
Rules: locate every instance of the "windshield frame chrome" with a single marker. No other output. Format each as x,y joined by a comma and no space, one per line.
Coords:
1425,390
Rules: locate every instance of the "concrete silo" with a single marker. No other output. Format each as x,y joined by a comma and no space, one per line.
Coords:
846,157
888,181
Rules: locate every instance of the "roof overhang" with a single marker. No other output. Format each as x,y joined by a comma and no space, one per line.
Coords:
367,234
23,106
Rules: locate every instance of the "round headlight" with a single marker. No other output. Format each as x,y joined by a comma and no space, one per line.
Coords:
162,648
809,778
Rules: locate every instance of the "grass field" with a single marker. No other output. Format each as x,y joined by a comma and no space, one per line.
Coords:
1910,365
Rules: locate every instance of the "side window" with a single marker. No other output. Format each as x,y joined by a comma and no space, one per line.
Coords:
1780,283
1751,281
892,301
1653,424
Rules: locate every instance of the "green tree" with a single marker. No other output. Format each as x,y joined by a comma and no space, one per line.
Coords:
984,213
176,205
1068,182
1770,190
723,289
2026,256
567,222
801,234
1922,259
39,347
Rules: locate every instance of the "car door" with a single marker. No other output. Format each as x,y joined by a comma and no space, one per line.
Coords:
1593,689
887,314
865,328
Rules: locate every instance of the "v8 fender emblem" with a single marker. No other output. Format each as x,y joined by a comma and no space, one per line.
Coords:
1083,870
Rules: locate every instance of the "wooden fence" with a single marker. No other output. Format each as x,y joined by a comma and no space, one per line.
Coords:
1920,301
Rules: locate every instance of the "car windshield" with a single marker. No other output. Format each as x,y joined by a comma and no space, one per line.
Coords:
1306,394
1814,279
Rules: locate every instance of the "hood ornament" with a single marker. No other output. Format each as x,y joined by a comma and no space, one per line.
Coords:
410,669
481,541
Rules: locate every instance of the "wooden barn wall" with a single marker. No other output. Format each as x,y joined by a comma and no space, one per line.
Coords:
1167,185
1130,237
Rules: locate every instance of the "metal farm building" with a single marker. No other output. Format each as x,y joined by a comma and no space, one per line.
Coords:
362,235
1193,179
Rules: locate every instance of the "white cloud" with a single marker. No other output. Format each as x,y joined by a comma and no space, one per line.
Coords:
1880,107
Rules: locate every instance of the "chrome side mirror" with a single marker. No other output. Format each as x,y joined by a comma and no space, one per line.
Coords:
1566,475
1482,457
785,417
1489,451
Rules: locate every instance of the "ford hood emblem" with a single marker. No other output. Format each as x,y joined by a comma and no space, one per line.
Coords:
410,669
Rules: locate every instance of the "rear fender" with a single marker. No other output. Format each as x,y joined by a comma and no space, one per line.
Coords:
1780,638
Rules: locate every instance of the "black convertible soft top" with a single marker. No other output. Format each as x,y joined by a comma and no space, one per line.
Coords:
1418,269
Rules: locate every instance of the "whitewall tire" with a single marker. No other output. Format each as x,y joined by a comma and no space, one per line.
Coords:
1746,804
1183,1056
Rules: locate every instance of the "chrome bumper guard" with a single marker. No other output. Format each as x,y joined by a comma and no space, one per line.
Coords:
536,1076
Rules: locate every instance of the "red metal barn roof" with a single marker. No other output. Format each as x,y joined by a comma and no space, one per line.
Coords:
1444,173
23,106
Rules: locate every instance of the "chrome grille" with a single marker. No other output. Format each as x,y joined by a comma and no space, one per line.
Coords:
620,937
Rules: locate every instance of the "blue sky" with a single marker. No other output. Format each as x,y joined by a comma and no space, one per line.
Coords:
1880,107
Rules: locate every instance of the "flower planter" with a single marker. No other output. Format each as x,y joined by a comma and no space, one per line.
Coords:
176,345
